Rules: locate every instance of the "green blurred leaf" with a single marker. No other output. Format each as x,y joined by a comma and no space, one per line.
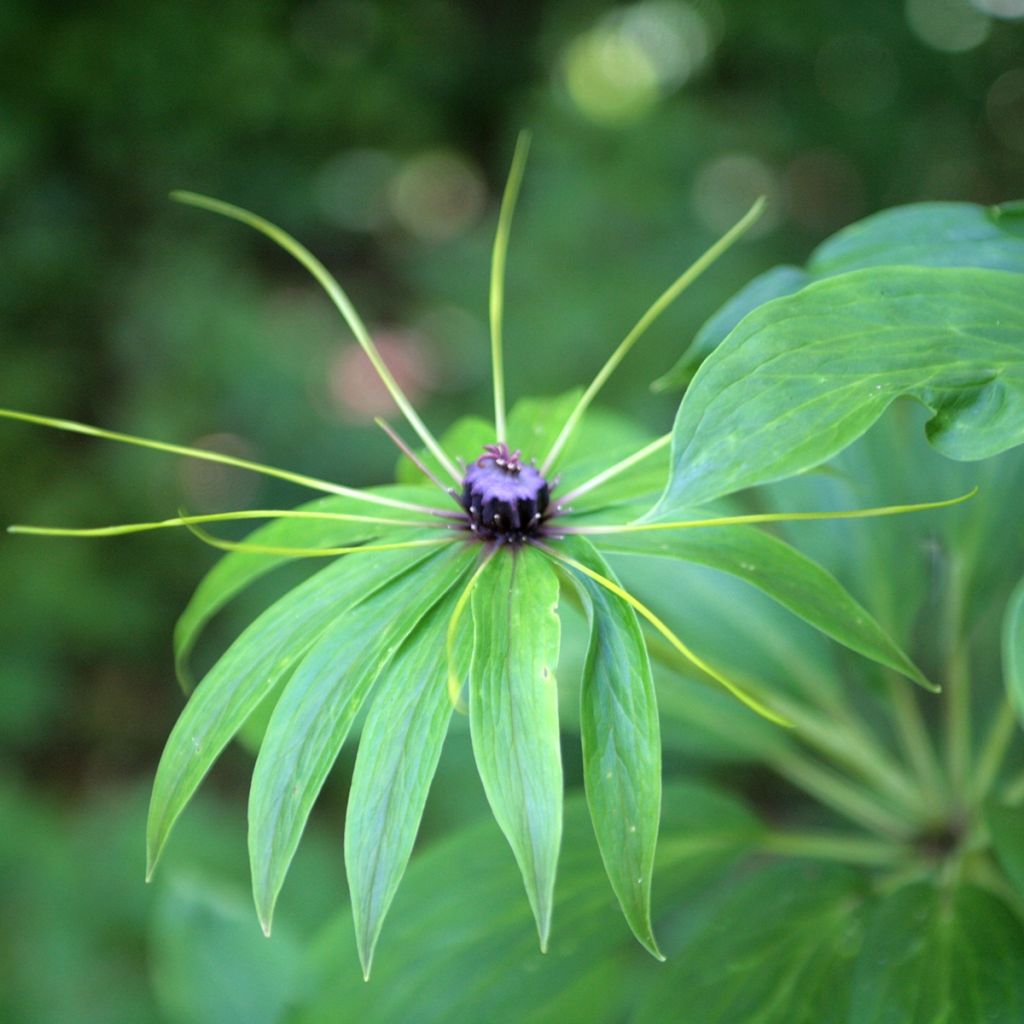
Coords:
398,754
921,235
774,947
802,377
458,945
238,569
621,744
513,713
939,956
212,965
250,669
318,706
780,571
1006,829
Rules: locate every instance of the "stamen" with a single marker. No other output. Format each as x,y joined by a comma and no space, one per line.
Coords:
413,457
341,301
497,293
209,456
737,691
659,306
778,517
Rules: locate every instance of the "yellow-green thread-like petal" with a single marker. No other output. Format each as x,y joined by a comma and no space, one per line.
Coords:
73,427
751,702
497,292
779,517
658,307
340,299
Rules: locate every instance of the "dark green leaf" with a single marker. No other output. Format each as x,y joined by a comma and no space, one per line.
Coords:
398,754
513,713
1006,829
774,947
319,704
802,377
939,956
781,572
922,235
621,745
251,668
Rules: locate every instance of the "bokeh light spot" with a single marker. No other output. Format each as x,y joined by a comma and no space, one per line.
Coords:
857,73
618,70
1008,9
437,195
824,189
952,26
725,188
352,189
356,392
1004,107
209,486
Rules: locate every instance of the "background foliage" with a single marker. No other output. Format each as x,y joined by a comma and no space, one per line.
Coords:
379,133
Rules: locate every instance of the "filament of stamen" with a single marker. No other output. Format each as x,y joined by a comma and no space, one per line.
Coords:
412,456
659,306
752,702
341,301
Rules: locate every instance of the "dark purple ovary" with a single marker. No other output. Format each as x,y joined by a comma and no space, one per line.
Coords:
504,500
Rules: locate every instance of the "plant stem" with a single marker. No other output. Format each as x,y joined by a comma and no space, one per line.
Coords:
958,703
837,847
855,749
840,795
917,745
997,742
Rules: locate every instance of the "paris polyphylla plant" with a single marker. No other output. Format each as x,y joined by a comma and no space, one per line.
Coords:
448,601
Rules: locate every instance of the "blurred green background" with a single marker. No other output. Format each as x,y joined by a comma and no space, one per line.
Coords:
379,133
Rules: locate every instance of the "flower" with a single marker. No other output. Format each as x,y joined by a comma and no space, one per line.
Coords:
449,596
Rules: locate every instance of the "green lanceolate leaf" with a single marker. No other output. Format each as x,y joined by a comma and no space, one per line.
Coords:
316,710
921,235
513,713
621,744
784,574
250,669
934,956
1013,648
774,947
238,569
802,377
398,754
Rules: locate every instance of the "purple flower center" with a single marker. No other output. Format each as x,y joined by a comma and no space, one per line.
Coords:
504,500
